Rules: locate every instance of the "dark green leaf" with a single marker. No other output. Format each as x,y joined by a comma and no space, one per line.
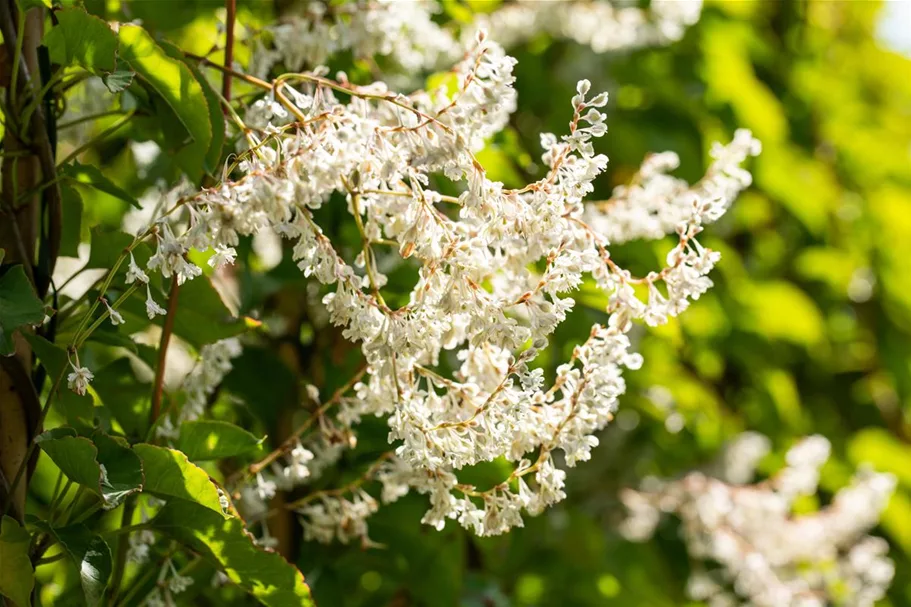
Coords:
169,474
110,336
124,470
211,439
19,306
52,356
201,318
89,175
78,410
257,366
124,396
225,542
17,578
174,82
82,39
75,455
72,221
92,557
108,245
82,459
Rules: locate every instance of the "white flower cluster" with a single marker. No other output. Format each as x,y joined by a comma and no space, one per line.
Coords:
402,33
762,552
494,268
655,203
170,582
208,372
603,26
405,35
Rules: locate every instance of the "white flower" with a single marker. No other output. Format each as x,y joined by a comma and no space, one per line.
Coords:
223,256
760,552
177,583
78,380
152,308
265,489
134,272
116,317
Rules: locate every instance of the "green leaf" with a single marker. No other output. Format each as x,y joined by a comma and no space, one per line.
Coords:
780,310
17,578
175,83
78,410
52,356
91,176
19,306
124,470
72,221
883,451
212,439
92,557
201,318
169,474
120,78
216,118
127,398
110,336
108,245
225,542
75,455
81,460
82,39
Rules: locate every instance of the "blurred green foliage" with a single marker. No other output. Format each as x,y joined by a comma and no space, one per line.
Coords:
806,332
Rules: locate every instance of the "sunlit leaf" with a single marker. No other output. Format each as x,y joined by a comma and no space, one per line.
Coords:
91,555
105,467
177,85
169,474
123,470
212,439
82,39
89,175
226,543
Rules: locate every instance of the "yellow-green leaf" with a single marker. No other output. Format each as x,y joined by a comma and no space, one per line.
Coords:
177,85
17,578
228,545
169,474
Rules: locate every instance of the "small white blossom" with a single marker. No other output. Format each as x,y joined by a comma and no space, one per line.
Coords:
116,317
135,273
223,256
78,381
152,307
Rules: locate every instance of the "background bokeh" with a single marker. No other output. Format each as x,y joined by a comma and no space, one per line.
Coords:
807,330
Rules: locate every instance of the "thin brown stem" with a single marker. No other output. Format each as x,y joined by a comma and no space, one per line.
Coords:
299,431
166,331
